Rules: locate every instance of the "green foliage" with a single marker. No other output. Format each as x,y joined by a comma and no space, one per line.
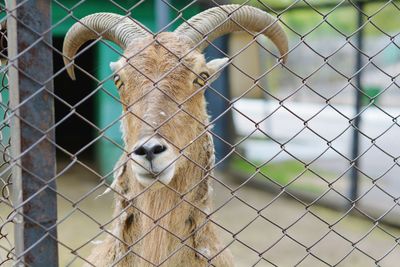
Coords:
281,172
329,17
291,174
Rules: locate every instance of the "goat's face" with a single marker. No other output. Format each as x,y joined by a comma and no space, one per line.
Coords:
161,83
162,80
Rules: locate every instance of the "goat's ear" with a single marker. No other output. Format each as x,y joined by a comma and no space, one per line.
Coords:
215,66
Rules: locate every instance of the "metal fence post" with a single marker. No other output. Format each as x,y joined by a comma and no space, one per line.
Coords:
33,154
223,127
161,11
357,119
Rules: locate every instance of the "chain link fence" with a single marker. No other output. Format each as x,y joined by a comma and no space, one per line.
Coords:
7,244
306,153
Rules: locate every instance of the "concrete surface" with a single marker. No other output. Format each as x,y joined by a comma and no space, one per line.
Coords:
279,228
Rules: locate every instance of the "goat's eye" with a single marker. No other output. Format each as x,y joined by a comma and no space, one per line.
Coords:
202,79
117,81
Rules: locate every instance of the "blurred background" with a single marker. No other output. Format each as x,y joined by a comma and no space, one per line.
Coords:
307,151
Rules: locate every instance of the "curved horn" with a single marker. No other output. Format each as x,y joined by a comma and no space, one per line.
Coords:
116,28
224,19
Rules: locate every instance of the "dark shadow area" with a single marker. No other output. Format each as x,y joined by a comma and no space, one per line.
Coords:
74,133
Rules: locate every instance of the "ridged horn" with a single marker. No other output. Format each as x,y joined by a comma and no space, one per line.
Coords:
116,28
218,21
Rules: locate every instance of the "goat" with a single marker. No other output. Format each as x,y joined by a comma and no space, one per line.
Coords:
162,182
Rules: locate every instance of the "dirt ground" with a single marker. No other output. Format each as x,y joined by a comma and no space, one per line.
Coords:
266,229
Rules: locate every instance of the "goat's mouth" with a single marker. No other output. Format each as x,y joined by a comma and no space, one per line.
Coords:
148,178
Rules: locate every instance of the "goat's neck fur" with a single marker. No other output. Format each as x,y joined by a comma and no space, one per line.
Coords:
150,225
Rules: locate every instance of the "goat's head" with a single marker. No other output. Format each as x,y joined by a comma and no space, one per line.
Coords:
162,78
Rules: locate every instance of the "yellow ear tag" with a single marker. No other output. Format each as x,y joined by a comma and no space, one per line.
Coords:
202,81
117,81
204,75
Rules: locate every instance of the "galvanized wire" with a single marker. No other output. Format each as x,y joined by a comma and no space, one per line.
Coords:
307,205
6,242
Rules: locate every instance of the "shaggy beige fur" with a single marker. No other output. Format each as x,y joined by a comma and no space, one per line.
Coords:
165,226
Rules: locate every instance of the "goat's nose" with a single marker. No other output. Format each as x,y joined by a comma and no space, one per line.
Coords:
150,151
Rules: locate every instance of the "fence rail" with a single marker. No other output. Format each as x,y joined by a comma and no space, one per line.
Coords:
307,159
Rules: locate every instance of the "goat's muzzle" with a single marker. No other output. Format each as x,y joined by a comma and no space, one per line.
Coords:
153,161
150,150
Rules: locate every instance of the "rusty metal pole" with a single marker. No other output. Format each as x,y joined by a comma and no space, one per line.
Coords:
32,109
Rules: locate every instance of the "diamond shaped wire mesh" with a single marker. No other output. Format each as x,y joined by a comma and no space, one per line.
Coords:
306,161
6,218
6,202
